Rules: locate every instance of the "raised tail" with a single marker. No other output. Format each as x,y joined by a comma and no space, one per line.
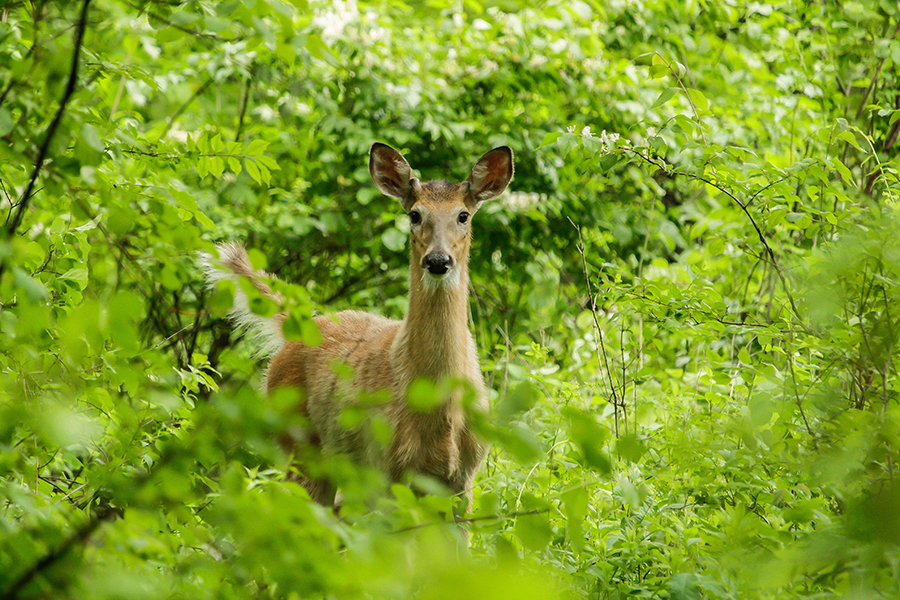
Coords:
232,264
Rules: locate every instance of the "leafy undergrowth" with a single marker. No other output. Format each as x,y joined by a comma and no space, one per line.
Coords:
686,306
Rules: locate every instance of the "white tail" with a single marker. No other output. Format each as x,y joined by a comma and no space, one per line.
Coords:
232,264
432,342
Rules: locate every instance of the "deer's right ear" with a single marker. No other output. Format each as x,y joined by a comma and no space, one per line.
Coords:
391,173
490,176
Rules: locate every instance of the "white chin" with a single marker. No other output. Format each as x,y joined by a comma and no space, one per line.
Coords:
450,279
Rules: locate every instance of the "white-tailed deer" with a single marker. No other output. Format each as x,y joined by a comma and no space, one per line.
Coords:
432,342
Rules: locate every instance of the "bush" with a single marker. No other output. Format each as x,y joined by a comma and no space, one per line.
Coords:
686,307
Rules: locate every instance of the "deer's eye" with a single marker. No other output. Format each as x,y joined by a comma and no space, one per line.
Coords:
415,217
463,217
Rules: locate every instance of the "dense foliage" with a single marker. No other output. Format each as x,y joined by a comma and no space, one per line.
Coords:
687,306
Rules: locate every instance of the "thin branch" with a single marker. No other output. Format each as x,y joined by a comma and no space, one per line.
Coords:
51,130
244,104
9,86
184,106
80,536
765,187
513,515
688,96
602,357
706,313
799,401
890,347
744,208
174,335
862,103
121,88
205,37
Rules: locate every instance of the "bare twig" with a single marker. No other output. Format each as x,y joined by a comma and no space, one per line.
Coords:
799,401
686,95
184,106
23,203
80,536
770,254
120,90
207,38
246,101
513,515
602,357
862,103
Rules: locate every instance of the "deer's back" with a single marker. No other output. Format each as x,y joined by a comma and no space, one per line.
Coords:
356,339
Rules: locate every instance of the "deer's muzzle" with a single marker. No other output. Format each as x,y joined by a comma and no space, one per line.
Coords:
437,263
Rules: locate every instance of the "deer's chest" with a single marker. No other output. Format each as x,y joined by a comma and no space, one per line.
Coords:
429,444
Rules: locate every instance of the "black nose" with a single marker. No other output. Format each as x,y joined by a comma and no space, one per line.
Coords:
437,264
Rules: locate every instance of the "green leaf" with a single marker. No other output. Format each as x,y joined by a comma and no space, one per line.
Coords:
258,260
550,139
92,138
575,501
567,141
202,166
215,24
684,586
317,49
6,122
268,162
297,328
589,437
519,442
34,290
258,304
216,166
125,312
394,239
183,17
630,448
686,124
666,95
309,333
77,275
849,137
423,395
762,409
519,400
533,531
253,170
593,145
699,100
658,71
222,299
256,147
842,169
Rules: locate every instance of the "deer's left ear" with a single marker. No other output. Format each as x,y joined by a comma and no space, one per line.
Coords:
392,174
490,176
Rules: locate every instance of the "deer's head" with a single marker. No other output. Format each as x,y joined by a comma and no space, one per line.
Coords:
440,212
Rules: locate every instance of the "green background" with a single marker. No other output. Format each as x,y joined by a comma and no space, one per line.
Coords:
686,306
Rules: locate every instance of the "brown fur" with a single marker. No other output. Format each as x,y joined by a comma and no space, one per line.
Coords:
432,342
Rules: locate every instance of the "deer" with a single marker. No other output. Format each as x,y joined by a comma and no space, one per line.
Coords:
433,341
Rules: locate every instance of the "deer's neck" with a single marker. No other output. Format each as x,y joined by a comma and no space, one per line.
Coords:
434,339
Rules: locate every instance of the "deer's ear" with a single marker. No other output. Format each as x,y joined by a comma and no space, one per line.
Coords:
490,176
391,173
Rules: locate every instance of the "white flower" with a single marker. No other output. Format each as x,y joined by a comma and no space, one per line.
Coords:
586,132
608,139
335,20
